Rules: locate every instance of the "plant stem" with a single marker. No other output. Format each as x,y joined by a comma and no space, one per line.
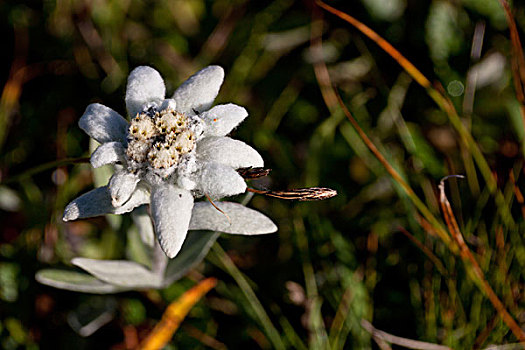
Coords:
252,299
471,262
444,104
43,167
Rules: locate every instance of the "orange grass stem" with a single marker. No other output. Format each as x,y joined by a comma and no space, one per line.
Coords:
440,231
385,45
441,100
469,260
435,260
175,314
517,59
332,100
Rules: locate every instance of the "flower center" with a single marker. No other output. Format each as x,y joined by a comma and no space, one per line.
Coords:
160,138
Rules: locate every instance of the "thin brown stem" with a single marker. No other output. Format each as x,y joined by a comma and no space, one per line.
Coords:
393,339
437,94
44,167
395,175
437,263
471,261
517,59
218,209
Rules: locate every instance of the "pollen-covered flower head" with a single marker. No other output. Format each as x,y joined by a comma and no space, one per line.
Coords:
172,151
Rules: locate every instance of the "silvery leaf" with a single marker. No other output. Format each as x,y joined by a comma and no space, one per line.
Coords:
120,272
244,220
75,281
194,249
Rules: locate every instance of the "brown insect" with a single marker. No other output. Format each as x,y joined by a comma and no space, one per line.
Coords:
253,173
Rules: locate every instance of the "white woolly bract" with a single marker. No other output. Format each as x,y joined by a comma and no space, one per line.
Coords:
145,86
198,92
103,124
217,181
175,149
221,119
227,151
98,202
121,185
171,213
236,219
108,153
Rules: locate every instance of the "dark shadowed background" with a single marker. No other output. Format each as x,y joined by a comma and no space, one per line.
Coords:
332,263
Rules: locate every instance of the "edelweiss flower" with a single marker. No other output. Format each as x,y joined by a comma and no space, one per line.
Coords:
172,151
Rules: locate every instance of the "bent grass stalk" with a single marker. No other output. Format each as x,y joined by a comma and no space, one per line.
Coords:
404,342
333,100
517,59
471,262
442,101
439,229
446,105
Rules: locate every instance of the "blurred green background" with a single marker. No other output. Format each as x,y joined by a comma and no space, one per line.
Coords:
332,263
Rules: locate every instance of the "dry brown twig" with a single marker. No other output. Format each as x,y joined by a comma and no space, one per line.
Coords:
394,339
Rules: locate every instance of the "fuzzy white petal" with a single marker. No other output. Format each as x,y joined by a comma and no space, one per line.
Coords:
227,151
242,220
221,119
142,220
198,92
139,197
93,203
145,85
121,186
75,281
120,272
171,213
98,202
219,181
168,103
108,153
103,124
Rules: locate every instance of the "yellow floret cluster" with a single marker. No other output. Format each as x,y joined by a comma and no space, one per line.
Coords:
160,138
